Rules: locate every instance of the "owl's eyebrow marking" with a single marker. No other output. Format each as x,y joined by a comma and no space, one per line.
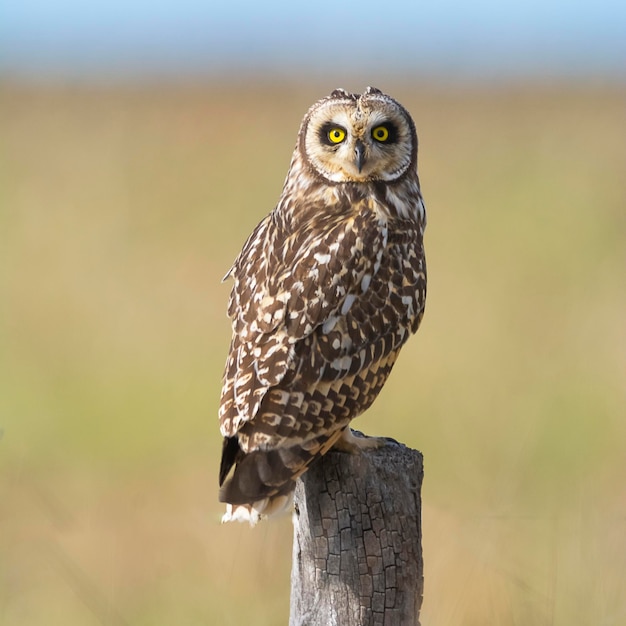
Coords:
325,129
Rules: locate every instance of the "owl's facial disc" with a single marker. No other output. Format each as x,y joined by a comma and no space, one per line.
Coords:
359,138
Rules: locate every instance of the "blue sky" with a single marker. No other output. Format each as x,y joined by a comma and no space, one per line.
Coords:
483,38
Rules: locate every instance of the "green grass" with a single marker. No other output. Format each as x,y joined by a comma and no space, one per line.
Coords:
121,211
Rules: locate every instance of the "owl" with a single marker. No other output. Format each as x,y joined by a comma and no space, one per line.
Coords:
327,289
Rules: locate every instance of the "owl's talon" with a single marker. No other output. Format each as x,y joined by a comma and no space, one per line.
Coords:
391,440
356,443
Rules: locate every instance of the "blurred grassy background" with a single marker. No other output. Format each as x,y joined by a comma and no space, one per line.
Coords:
123,207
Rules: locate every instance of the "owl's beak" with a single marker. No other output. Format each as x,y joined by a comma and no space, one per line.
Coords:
359,154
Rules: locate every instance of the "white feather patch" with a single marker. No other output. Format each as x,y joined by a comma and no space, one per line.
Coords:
365,282
322,258
347,303
329,324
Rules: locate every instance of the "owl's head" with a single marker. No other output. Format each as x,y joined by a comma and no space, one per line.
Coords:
358,137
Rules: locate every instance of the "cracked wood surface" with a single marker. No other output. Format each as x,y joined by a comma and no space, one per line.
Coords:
357,554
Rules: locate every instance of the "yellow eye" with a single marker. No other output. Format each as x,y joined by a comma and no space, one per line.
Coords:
336,135
381,133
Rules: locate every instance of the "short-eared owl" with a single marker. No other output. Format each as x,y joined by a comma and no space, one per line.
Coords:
328,288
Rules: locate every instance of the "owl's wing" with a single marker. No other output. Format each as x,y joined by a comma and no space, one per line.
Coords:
288,284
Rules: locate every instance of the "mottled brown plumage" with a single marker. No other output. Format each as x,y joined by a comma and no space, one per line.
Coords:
327,289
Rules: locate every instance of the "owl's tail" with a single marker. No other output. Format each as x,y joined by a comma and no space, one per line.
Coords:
263,481
252,513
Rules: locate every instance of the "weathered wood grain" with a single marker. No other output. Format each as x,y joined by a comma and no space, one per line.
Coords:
357,556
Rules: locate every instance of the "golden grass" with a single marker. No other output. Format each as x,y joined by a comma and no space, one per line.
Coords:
121,210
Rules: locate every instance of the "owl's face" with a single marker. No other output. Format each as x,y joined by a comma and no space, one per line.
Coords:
358,137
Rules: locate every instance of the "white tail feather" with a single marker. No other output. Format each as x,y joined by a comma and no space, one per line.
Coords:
252,513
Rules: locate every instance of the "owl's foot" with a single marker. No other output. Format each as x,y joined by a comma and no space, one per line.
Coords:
355,443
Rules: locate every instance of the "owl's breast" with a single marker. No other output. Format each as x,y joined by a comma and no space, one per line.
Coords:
379,319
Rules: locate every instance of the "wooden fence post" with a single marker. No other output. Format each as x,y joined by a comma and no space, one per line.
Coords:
357,553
